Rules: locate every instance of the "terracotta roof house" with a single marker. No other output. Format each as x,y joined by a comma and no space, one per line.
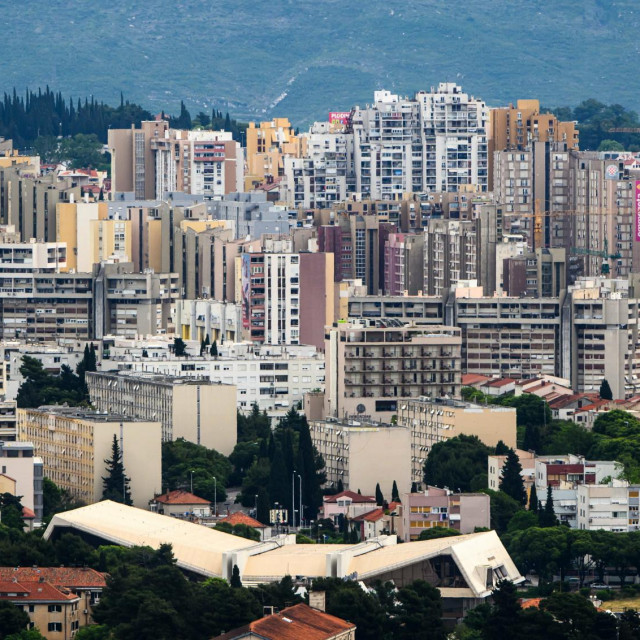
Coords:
347,503
295,623
242,518
180,504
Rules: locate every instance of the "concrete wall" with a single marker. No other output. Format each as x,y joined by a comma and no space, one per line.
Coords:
215,415
142,448
379,455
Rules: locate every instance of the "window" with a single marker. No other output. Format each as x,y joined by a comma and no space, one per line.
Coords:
55,607
54,626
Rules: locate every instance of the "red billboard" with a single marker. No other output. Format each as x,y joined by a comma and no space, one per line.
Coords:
637,194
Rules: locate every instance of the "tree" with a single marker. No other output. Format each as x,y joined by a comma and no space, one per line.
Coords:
235,582
548,514
605,390
264,504
179,347
395,496
184,461
214,349
501,448
610,145
73,551
115,485
459,463
532,438
533,499
28,634
379,496
511,482
12,619
11,511
438,532
503,508
419,608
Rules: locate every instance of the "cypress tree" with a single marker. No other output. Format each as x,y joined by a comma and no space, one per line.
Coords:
235,582
605,390
340,486
548,514
533,499
214,349
379,496
532,438
511,482
116,484
501,448
306,465
395,496
264,505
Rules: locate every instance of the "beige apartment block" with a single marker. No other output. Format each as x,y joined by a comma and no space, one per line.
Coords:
197,410
371,370
363,455
73,444
440,419
74,226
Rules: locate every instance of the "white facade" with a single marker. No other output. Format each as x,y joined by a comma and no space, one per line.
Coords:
436,141
612,507
276,381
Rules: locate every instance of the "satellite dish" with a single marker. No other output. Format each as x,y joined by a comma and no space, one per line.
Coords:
361,408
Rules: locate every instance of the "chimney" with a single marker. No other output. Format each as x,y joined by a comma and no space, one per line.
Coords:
318,600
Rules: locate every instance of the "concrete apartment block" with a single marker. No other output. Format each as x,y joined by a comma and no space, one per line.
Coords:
74,442
197,410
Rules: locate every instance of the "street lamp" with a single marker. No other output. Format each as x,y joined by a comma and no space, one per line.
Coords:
255,505
300,512
191,472
215,497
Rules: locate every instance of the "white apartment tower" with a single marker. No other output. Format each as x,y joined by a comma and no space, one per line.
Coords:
435,142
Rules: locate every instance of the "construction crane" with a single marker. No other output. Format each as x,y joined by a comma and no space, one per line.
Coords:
537,216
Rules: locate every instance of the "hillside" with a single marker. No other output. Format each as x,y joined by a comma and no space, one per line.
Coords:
303,58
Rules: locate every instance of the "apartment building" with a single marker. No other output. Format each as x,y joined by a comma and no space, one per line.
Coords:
28,201
131,304
74,442
609,507
19,461
271,297
537,274
439,419
451,254
495,464
154,160
324,175
252,214
436,507
357,243
403,264
363,454
434,142
516,337
54,611
196,410
45,306
514,128
274,378
603,340
267,144
8,410
371,371
197,319
404,308
78,225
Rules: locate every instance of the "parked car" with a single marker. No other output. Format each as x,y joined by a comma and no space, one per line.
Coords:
599,585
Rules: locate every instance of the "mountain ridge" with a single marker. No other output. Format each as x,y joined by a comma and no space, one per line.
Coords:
302,59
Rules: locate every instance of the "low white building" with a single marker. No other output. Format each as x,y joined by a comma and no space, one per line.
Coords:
610,507
273,377
17,460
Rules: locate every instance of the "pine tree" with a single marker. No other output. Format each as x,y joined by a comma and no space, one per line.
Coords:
379,496
501,448
116,484
236,583
179,347
533,499
548,514
511,482
395,496
605,390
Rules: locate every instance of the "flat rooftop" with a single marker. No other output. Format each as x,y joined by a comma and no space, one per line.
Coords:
91,415
157,378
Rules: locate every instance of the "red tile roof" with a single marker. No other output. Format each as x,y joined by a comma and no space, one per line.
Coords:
242,518
299,622
180,497
34,591
355,497
473,378
28,514
501,382
70,577
370,516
